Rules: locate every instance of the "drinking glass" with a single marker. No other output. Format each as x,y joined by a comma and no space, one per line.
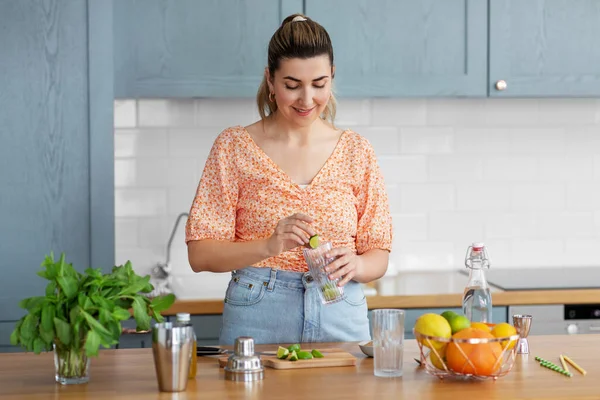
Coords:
387,326
329,291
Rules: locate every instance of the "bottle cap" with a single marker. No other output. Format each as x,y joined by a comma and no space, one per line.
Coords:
478,246
183,317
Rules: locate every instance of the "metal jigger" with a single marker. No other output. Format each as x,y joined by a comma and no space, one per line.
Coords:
522,323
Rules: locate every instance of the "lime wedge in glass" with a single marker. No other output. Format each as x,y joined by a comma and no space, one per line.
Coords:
313,241
317,354
282,353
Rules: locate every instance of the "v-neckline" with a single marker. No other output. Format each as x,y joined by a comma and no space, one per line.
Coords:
285,174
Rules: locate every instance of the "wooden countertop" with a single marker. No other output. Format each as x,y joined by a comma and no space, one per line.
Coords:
129,374
428,300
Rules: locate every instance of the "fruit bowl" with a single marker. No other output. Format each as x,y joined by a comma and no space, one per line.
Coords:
469,358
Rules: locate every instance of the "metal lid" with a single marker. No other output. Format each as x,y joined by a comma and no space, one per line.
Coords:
243,364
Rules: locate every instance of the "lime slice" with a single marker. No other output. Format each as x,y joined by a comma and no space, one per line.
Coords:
294,347
317,354
304,355
293,356
282,353
313,241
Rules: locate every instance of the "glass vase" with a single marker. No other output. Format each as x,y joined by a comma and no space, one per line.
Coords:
71,365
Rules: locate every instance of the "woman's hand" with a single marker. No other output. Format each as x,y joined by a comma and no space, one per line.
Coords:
346,266
290,232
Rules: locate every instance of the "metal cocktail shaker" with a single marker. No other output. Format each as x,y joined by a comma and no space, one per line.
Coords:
172,347
523,324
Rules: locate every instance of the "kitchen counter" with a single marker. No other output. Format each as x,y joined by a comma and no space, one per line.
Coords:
426,290
129,374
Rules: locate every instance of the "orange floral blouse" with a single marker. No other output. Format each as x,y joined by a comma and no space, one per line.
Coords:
243,194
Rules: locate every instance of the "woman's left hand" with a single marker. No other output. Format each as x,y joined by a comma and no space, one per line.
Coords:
347,265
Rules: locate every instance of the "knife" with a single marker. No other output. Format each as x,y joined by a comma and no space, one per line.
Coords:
213,351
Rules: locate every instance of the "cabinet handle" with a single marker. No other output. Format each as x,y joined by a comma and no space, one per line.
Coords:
500,85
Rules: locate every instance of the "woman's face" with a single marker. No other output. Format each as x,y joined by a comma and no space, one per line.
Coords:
302,88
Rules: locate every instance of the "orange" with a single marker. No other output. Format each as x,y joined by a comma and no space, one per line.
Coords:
481,359
481,326
503,330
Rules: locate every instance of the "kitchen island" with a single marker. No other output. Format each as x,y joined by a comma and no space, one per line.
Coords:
129,374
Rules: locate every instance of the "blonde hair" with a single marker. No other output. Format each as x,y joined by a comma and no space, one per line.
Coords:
297,37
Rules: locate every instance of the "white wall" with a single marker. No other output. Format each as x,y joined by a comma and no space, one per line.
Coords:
522,175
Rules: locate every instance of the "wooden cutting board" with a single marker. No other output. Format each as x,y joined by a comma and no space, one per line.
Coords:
332,358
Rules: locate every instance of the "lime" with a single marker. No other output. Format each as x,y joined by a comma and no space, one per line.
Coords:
293,356
317,354
282,353
304,355
313,241
449,315
459,323
294,347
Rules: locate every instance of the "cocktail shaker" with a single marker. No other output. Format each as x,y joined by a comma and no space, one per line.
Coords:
172,348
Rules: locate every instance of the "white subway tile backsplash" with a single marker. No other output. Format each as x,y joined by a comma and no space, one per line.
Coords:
538,196
426,140
522,175
482,196
166,113
426,197
384,139
455,168
222,113
509,168
140,202
140,143
399,112
507,225
554,226
125,114
403,168
353,112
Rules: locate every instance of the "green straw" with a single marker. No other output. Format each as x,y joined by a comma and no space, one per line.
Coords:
553,367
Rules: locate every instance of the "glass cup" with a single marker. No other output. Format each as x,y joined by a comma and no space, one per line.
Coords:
329,291
387,326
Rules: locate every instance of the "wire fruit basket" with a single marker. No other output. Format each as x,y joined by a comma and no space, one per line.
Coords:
478,358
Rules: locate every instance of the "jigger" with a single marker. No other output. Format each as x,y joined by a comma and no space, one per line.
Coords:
522,323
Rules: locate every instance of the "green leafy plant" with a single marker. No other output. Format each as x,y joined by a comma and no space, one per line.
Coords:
83,311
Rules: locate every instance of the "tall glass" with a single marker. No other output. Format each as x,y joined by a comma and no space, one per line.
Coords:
329,291
387,326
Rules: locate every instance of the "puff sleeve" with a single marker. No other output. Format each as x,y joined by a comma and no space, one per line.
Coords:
213,211
374,229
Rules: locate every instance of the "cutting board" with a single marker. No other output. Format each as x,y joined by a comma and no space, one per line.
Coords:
332,358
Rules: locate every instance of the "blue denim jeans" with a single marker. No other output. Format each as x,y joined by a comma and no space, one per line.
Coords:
274,306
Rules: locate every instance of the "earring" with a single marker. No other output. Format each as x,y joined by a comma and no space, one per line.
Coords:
271,97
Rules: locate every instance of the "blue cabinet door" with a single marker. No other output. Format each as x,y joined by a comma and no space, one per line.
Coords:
404,48
56,135
190,48
545,48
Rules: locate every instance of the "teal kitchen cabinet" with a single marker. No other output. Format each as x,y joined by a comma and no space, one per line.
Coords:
545,48
406,48
191,48
56,143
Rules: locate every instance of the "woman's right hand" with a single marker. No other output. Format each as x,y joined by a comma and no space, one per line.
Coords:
290,232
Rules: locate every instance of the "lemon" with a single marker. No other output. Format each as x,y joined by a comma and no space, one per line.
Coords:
438,359
313,241
282,353
317,354
431,324
481,326
502,330
458,323
294,347
293,356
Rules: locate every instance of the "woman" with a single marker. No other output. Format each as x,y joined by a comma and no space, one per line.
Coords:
268,187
